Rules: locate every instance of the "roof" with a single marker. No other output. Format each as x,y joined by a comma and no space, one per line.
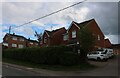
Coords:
20,37
15,35
32,40
50,33
80,25
83,23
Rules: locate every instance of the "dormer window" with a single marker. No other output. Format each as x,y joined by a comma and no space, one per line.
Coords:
14,38
74,34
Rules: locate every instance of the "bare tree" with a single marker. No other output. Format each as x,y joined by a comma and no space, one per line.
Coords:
39,37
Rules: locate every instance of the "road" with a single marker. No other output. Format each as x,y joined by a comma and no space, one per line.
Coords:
109,68
11,71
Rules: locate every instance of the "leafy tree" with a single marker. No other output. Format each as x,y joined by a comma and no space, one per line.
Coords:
87,41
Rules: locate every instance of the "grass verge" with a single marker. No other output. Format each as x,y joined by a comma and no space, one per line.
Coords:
82,67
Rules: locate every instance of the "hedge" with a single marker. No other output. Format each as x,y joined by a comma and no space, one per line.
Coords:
57,55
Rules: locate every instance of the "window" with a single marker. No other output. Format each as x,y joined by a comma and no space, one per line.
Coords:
6,39
14,38
36,43
98,37
14,45
31,42
65,37
21,39
5,44
74,34
45,39
20,46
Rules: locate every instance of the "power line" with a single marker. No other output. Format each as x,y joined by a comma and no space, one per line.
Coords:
50,14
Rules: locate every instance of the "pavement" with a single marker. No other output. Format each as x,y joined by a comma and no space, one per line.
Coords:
109,68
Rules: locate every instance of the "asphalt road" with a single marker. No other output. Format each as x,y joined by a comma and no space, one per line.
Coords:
109,68
11,71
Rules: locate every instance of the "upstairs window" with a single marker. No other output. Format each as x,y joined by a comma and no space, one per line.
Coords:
14,38
21,39
6,39
98,37
45,39
74,34
65,37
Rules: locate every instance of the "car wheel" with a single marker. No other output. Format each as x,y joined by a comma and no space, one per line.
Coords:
98,59
105,60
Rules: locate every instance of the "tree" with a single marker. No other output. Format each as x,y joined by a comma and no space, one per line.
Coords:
87,41
39,37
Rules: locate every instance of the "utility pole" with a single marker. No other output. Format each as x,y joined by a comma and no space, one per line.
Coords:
9,29
51,28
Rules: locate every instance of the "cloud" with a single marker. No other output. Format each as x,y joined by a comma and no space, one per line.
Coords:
38,23
113,38
21,12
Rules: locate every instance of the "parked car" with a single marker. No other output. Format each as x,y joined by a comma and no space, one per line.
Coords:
108,51
97,55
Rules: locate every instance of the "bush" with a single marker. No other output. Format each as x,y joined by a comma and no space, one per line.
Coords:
57,55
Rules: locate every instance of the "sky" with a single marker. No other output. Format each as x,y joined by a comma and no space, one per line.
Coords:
17,13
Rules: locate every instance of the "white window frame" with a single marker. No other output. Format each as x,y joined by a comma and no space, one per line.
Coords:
14,45
14,38
74,34
5,44
20,46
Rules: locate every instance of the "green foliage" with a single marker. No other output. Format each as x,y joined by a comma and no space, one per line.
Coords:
86,38
57,55
87,41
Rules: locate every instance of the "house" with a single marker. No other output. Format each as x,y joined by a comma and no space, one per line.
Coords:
31,43
52,38
16,41
107,43
74,28
72,33
70,36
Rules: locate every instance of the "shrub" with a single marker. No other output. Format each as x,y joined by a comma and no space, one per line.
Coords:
61,55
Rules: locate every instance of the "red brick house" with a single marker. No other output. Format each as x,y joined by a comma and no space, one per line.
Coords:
107,43
70,37
16,41
54,37
31,43
72,33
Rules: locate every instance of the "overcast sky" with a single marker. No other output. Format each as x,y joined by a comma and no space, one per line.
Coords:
17,13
